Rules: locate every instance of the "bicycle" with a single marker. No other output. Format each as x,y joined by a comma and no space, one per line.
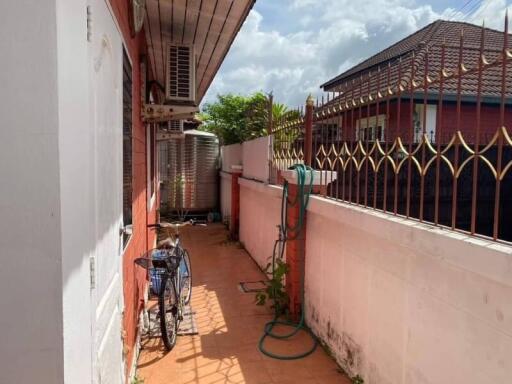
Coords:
170,273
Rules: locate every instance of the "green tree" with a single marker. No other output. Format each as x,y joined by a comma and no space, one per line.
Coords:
283,138
280,113
236,118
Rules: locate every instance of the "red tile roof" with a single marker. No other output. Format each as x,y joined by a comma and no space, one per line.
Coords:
411,57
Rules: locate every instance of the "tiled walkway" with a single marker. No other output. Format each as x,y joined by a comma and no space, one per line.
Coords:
230,325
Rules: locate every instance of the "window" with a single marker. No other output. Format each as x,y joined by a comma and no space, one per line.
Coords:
150,159
430,128
371,128
327,131
127,142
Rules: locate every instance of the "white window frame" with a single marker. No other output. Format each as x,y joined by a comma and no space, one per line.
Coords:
430,128
371,123
152,198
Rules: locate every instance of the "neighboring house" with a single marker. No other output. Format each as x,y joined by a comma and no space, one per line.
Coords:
411,58
438,104
77,150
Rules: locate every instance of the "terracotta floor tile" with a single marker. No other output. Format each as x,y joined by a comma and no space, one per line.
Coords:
230,325
332,378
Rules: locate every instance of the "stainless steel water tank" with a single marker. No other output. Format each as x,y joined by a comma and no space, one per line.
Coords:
188,172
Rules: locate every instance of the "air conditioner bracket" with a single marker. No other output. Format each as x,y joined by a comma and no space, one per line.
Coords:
159,113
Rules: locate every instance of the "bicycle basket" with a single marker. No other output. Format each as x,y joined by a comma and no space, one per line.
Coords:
159,262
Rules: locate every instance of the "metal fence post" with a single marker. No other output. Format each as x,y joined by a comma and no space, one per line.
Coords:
270,115
308,130
270,130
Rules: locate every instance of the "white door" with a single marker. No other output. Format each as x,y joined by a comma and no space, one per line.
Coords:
106,61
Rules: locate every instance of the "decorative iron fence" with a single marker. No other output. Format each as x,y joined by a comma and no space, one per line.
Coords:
424,136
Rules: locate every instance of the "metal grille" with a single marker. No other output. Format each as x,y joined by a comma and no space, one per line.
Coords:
181,72
175,126
424,135
127,141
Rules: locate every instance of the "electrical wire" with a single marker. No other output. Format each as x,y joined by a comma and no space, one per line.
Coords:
472,10
460,9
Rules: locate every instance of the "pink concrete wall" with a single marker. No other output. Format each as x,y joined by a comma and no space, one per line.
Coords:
396,301
401,302
260,209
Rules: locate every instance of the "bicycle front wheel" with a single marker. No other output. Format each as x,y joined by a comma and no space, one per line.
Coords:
186,277
168,307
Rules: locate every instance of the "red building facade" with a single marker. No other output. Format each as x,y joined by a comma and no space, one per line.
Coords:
458,65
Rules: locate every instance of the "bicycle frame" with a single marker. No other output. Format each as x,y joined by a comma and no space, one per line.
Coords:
173,239
170,261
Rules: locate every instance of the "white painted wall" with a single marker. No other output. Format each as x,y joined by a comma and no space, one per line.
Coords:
402,302
255,159
105,63
225,196
76,144
230,155
60,199
260,210
30,226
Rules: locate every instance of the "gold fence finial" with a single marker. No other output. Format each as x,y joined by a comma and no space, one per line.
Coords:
310,101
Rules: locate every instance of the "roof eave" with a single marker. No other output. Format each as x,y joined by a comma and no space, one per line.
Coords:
232,39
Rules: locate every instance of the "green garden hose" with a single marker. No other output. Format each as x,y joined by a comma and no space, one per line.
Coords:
302,198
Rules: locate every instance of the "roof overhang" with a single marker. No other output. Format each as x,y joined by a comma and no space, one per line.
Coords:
210,25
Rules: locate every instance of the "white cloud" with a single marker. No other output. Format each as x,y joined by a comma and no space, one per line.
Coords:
492,12
326,38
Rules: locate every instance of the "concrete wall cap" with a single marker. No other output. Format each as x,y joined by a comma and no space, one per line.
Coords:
319,177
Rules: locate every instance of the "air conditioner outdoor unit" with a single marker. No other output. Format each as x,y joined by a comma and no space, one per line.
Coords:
175,126
181,73
173,129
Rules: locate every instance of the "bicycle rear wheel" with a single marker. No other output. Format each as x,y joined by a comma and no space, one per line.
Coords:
168,306
186,277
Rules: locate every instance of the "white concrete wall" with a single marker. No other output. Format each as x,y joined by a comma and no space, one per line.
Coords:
60,170
260,211
401,302
225,196
30,226
255,159
104,164
230,155
76,186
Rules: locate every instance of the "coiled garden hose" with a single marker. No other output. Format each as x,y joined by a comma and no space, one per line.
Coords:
302,198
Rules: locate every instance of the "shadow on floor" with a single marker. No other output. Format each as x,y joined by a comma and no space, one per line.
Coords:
230,325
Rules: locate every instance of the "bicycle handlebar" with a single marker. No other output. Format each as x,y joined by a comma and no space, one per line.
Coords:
175,224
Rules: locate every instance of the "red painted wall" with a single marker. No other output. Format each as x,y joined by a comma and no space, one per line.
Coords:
489,121
142,239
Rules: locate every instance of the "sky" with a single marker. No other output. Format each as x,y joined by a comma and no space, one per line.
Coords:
291,47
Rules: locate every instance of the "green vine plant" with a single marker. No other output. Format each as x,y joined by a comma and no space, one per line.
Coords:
274,288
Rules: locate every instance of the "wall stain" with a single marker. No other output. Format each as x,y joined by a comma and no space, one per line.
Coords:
347,353
499,315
